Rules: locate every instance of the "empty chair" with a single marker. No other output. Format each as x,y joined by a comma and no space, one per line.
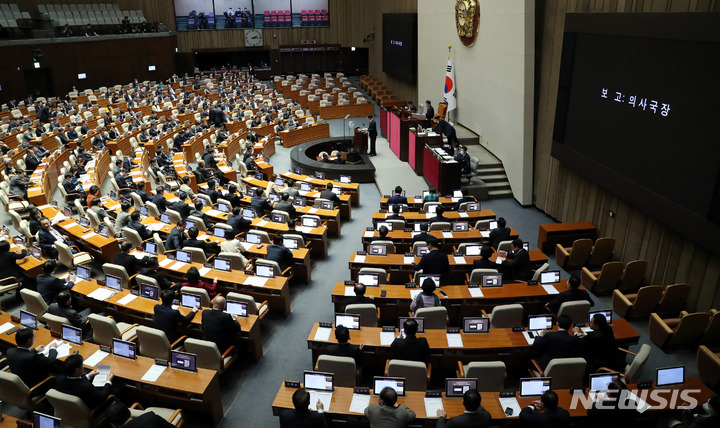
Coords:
575,256
118,271
173,416
576,310
72,411
389,245
475,276
565,372
601,252
635,368
34,303
14,391
416,374
253,307
435,317
133,237
637,305
440,225
344,368
105,329
264,237
236,260
288,272
506,316
153,343
673,300
712,331
197,255
682,331
633,276
208,355
195,291
708,364
603,281
369,313
490,374
383,276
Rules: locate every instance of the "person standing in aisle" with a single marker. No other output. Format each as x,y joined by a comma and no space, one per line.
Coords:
372,132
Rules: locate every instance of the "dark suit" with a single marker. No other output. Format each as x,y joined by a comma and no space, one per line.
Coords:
260,205
220,328
149,420
8,263
329,195
123,184
462,201
32,367
160,201
129,262
175,239
372,133
31,162
49,286
291,418
464,163
448,130
345,350
600,350
422,236
429,113
478,419
83,388
287,207
415,349
433,262
167,319
233,199
356,300
281,255
141,229
196,243
43,115
182,208
77,319
214,195
498,235
484,264
162,281
143,196
238,223
570,295
547,418
397,200
518,265
554,344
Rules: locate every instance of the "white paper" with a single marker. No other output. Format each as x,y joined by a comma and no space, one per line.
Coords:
304,229
204,270
369,234
69,225
447,235
476,292
529,339
63,349
174,200
313,210
58,218
101,294
101,378
95,358
322,334
203,237
642,405
155,226
459,260
139,254
454,340
153,373
485,233
213,213
127,299
463,214
324,397
586,330
89,235
359,403
429,215
262,223
359,259
408,260
550,289
256,281
5,327
165,262
499,260
512,403
349,291
178,265
387,338
432,405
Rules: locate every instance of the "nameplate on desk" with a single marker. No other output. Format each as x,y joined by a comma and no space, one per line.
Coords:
325,324
292,384
160,362
349,282
361,253
410,285
388,329
453,330
531,282
433,394
407,229
359,390
370,229
105,348
382,211
508,393
647,384
518,329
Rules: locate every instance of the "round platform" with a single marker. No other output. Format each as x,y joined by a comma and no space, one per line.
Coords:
304,156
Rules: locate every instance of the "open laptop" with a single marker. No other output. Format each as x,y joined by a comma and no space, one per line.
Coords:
457,193
297,170
476,325
351,321
183,361
472,207
456,387
473,250
223,207
41,420
144,211
149,291
490,280
423,276
492,225
151,248
274,197
28,319
382,382
666,376
189,223
432,209
253,238
113,282
278,218
540,322
327,205
239,309
189,300
318,381
165,218
183,256
606,312
369,279
345,179
71,334
265,271
420,322
83,272
320,175
305,187
377,250
421,250
103,230
310,222
123,349
224,265
299,201
337,191
248,213
600,381
219,232
534,386
291,243
280,182
460,226
550,277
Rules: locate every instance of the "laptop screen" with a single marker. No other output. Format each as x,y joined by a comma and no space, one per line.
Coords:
461,226
416,227
472,250
253,238
259,176
387,224
492,280
149,291
113,282
326,205
291,243
41,420
144,211
534,386
165,218
67,212
265,271
550,277
305,187
84,222
476,325
492,225
103,230
222,264
248,213
151,248
71,334
369,279
432,209
280,182
456,387
183,256
377,249
218,232
297,170
345,179
396,383
420,321
318,381
298,201
28,320
472,206
189,224
223,208
425,193
189,300
274,197
278,218
36,252
457,194
124,349
435,279
421,250
337,191
310,222
183,361
83,272
351,321
540,322
607,313
320,175
670,376
238,309
600,381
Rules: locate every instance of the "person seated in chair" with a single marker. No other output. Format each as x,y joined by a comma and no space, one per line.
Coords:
499,234
285,205
140,228
573,293
76,382
395,213
426,299
277,252
465,198
475,416
555,344
301,415
439,210
63,308
484,261
545,412
382,235
168,319
409,346
517,263
397,198
31,365
193,241
197,211
343,348
360,297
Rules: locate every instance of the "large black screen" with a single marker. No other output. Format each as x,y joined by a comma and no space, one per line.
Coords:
400,45
638,113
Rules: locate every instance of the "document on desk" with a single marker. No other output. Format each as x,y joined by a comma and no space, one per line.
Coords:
213,213
485,233
429,215
359,259
302,192
71,224
262,223
303,229
155,226
499,260
349,291
359,403
101,294
369,234
101,378
127,299
58,218
203,237
324,397
63,349
177,266
529,339
418,200
512,403
153,373
387,337
204,270
165,262
89,235
432,405
255,281
95,358
322,334
447,235
5,327
313,210
459,260
408,260
550,289
464,214
174,200
476,292
139,254
454,340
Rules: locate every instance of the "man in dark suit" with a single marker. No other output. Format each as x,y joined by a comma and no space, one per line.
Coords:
465,198
126,186
232,195
410,347
214,194
464,160
301,416
285,205
499,234
63,308
444,127
372,133
279,253
359,297
397,198
181,207
433,262
140,228
395,213
545,412
343,348
192,241
237,221
76,383
73,191
429,110
330,195
220,327
484,262
197,211
517,264
159,199
572,294
141,192
30,364
152,271
127,260
8,261
423,235
49,286
475,415
555,344
167,319
259,204
31,161
439,211
177,237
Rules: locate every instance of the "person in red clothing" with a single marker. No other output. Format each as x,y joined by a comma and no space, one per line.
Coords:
193,280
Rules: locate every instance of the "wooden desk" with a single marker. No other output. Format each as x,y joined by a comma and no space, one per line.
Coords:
416,204
414,217
179,389
564,234
100,247
305,134
416,148
352,188
46,179
30,266
340,111
444,175
404,240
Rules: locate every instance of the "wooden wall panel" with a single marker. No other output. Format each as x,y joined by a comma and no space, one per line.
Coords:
567,196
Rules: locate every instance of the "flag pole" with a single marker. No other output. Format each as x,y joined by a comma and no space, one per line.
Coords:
447,116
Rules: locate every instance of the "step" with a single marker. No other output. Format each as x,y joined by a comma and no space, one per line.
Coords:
493,178
490,169
498,185
500,194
